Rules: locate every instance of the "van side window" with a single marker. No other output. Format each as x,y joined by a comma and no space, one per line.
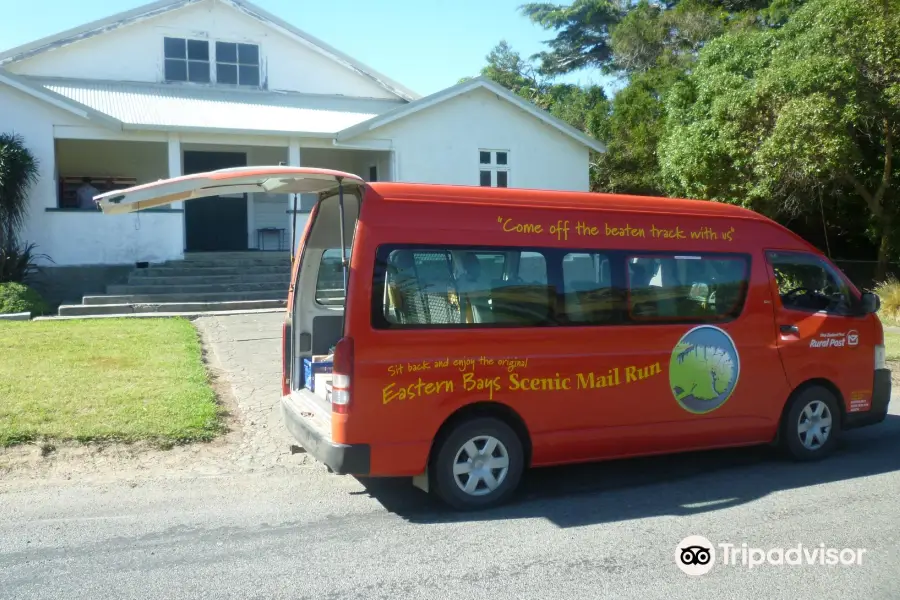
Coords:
695,288
589,297
808,284
429,287
330,279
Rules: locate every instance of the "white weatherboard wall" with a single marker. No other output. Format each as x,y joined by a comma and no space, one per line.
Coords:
94,238
135,53
440,145
73,238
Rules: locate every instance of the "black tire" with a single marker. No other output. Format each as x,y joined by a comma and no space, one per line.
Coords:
792,440
441,467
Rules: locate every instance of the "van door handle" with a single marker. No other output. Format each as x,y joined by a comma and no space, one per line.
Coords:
789,329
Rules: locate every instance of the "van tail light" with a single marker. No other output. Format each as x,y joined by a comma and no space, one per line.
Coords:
286,358
342,375
880,350
880,357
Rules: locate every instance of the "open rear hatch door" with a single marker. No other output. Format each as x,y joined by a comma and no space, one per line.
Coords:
240,180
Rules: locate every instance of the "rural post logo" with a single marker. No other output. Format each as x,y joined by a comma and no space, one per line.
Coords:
695,555
704,369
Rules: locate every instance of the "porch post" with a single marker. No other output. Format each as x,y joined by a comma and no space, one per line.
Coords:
174,154
293,199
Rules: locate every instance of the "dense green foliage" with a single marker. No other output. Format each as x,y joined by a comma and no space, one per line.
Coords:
18,171
789,107
18,298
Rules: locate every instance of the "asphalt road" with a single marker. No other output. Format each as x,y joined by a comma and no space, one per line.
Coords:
595,531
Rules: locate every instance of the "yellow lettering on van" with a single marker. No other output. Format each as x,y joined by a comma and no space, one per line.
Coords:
592,381
635,373
420,388
667,234
627,231
481,384
512,227
704,233
539,384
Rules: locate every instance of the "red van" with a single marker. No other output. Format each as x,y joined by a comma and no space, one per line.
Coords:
458,335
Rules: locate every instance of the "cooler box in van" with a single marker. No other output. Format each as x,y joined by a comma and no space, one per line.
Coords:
314,366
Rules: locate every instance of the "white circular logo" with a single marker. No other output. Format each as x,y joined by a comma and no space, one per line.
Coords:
695,555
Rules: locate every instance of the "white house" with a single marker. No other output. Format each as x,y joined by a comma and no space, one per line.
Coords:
182,86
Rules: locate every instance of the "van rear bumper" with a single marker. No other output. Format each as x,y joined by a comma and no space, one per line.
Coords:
343,459
881,397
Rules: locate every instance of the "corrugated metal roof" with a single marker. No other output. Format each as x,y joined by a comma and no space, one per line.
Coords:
171,107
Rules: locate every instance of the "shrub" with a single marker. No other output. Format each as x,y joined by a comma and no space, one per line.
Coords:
19,298
889,293
19,170
17,263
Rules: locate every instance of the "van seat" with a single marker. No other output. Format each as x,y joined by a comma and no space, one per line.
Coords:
421,290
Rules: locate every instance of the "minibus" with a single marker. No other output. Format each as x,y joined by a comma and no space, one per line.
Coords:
459,335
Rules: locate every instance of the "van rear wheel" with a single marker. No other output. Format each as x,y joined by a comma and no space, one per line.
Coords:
811,425
478,465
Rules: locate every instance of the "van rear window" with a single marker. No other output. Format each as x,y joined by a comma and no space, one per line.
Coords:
330,280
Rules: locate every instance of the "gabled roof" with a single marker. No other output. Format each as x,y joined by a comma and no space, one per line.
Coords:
148,106
464,88
58,100
164,6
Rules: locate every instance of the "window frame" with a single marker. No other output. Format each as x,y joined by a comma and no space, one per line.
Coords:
342,305
553,256
187,61
379,322
494,167
237,64
855,308
213,61
732,315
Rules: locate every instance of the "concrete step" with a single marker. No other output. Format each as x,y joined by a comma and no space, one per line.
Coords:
176,298
237,262
276,279
189,287
226,256
180,270
75,310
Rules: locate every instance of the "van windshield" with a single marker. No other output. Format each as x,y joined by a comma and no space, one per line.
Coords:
330,281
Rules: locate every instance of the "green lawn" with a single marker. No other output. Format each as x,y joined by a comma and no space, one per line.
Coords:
104,379
891,345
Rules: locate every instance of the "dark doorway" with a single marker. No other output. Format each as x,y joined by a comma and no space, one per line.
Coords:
217,223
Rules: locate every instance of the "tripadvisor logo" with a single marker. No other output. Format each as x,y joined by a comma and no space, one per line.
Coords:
704,369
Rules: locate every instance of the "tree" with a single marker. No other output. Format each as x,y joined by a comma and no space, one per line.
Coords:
583,30
771,119
18,172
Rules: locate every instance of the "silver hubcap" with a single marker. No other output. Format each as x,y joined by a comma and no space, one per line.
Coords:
481,465
814,425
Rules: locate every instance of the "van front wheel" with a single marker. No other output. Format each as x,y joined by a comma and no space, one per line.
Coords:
811,425
478,465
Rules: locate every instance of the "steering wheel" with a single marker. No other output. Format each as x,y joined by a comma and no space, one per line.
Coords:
799,290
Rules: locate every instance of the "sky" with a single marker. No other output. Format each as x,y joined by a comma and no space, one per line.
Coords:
425,45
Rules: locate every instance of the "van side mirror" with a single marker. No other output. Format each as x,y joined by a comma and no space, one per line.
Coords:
870,303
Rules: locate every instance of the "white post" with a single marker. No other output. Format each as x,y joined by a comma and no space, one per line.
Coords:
293,161
175,170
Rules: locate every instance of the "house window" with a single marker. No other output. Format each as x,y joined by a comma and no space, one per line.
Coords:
493,168
373,173
186,60
237,64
